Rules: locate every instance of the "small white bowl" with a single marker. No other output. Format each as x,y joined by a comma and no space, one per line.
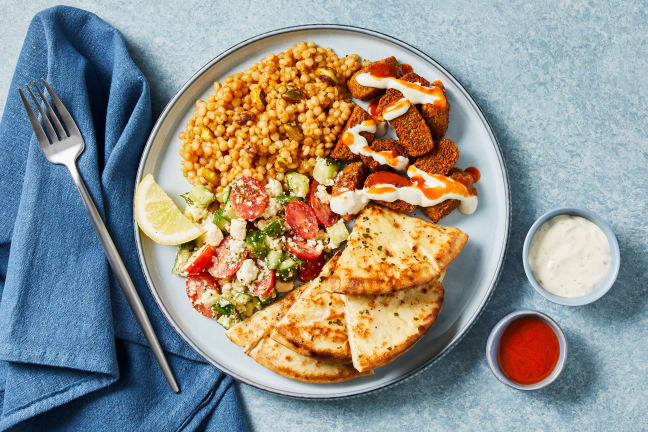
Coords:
615,257
492,349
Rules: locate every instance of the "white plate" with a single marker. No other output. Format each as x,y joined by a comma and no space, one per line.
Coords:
470,278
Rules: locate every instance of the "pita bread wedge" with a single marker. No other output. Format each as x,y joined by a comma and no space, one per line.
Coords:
315,325
288,363
382,327
248,333
389,251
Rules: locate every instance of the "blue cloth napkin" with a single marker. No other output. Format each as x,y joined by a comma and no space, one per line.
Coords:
72,356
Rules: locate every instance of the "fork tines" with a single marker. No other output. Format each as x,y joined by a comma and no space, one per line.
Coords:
55,130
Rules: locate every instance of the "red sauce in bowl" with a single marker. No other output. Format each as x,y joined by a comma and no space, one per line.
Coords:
528,350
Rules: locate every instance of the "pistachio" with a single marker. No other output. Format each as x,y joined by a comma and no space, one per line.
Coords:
244,118
205,133
327,75
293,131
293,94
258,98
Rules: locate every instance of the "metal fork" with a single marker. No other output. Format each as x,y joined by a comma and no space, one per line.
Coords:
63,148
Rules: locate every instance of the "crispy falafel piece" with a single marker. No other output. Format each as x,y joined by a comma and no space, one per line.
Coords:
443,209
412,131
383,145
361,92
440,160
341,151
436,117
398,205
350,178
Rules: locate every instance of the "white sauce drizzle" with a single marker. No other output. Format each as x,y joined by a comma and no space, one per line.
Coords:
360,146
396,109
381,129
414,95
569,256
352,202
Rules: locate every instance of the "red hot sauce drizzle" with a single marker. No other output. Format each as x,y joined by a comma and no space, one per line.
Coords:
383,70
373,110
528,351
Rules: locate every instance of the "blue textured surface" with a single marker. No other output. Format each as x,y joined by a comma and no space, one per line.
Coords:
564,87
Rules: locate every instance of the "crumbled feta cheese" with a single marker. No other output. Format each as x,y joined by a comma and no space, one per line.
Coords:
226,288
210,298
248,272
283,287
237,287
227,321
271,209
213,234
223,302
274,188
314,243
196,213
322,195
238,229
275,243
237,248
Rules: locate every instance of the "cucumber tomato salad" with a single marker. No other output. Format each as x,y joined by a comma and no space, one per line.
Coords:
258,241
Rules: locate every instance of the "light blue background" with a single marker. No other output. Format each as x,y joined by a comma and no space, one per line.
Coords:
564,86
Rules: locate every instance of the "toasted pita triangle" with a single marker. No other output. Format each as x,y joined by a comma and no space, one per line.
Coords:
249,332
315,325
389,251
290,364
382,327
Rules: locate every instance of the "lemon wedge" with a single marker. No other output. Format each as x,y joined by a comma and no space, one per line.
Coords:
159,217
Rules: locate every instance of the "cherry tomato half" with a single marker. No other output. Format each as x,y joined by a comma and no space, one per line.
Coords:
197,284
301,219
199,259
322,210
265,285
227,261
249,198
310,269
301,249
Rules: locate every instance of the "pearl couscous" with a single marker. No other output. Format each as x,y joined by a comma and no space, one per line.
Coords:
277,116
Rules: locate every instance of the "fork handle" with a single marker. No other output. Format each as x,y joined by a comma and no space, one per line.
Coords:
124,279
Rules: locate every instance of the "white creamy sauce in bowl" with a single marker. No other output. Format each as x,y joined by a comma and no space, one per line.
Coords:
569,256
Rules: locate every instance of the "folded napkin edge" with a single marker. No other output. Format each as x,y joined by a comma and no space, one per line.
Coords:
63,359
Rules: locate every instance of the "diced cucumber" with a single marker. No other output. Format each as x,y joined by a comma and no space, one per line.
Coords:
198,196
264,301
337,233
242,298
226,194
274,229
297,183
228,321
273,260
220,220
287,275
256,301
228,211
325,170
184,252
255,241
289,263
287,270
228,309
285,199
